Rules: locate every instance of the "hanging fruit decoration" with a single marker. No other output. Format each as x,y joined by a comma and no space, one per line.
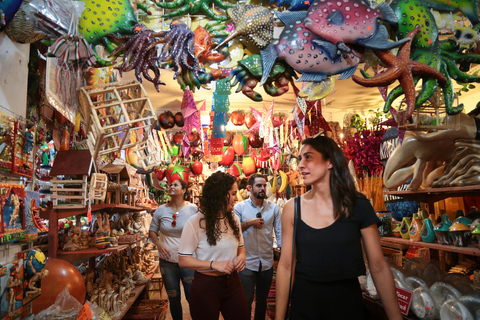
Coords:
240,144
254,140
228,156
175,172
228,139
196,167
166,120
177,137
248,166
179,120
276,161
160,172
235,170
250,120
237,118
261,158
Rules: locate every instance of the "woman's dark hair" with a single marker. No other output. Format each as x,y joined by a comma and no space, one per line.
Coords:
342,186
186,195
214,201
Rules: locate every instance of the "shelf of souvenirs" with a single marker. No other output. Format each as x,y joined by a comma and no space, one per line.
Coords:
132,299
473,250
436,194
65,213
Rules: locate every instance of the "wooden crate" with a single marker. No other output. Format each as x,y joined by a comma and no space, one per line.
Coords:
118,116
69,194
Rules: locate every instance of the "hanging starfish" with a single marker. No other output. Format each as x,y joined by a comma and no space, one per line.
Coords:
401,68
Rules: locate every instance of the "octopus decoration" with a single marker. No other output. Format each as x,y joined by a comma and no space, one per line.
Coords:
182,7
139,54
254,22
249,72
179,50
441,55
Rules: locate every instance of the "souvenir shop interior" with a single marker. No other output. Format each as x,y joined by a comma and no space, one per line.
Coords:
103,104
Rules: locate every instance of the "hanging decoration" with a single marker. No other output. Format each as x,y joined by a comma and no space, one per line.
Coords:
191,118
220,107
12,205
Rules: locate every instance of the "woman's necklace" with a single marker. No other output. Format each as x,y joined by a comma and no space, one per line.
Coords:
176,209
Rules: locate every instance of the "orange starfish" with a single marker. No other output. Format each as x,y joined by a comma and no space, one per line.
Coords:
403,69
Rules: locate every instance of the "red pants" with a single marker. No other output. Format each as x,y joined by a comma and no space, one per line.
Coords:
210,295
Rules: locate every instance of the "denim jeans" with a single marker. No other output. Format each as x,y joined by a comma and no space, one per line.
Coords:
172,274
258,283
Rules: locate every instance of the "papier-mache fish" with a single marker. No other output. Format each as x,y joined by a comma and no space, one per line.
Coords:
351,21
306,52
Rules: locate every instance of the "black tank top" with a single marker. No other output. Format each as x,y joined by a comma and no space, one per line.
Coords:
335,252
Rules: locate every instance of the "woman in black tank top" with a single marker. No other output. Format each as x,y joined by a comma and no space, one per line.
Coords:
331,224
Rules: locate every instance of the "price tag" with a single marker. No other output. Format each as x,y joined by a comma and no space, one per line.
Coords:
404,299
85,313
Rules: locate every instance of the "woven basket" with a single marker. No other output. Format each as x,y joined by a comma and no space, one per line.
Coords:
395,256
19,30
157,307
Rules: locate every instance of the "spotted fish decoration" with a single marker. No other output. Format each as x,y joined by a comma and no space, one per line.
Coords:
305,52
351,21
468,7
254,22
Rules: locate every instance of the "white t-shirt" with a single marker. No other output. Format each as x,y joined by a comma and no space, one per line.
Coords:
194,241
162,225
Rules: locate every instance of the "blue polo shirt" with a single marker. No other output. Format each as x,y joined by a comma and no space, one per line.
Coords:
259,242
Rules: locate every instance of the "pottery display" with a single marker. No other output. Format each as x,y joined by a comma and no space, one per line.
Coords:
442,233
427,233
405,227
415,227
462,234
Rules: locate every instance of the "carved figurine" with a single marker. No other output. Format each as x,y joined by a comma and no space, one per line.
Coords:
29,140
73,242
84,240
114,238
137,226
138,276
33,285
148,259
429,153
16,210
124,222
14,287
89,282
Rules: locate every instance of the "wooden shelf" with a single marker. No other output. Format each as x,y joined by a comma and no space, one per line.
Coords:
87,253
473,250
65,213
437,194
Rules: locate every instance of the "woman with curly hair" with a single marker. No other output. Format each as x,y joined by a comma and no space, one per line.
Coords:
212,245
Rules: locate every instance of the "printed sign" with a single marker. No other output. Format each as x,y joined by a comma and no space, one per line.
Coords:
404,300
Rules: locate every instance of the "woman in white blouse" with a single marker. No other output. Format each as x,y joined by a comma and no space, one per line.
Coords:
212,245
165,231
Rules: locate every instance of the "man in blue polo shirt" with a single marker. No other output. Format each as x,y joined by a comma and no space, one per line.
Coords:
260,219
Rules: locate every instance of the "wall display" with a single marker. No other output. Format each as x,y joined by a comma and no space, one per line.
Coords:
12,289
12,204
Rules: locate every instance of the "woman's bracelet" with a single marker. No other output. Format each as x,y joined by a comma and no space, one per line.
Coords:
211,265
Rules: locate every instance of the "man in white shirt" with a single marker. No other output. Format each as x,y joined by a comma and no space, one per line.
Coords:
259,218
